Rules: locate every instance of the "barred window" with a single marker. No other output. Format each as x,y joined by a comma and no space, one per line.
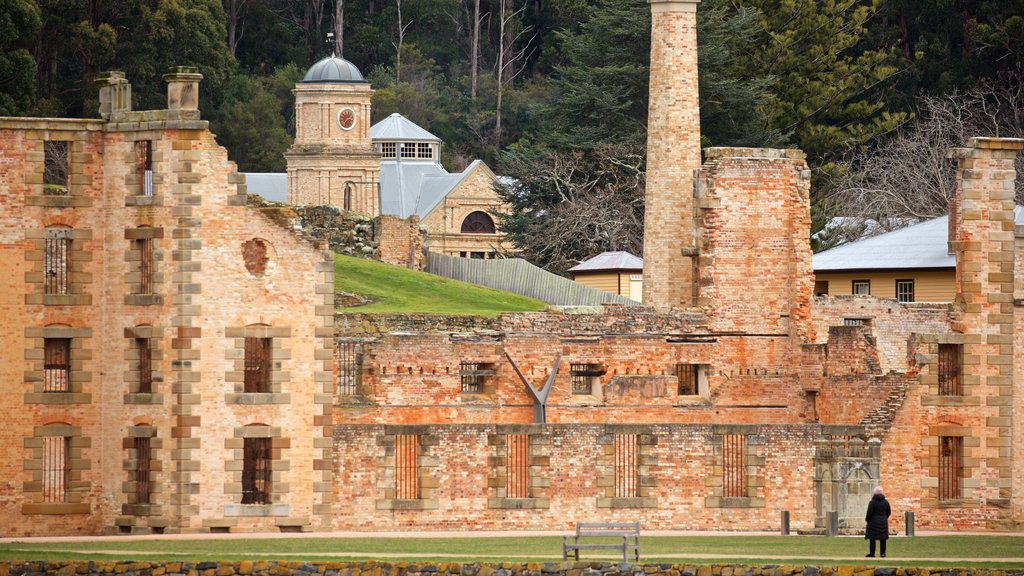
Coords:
57,261
584,377
142,345
56,365
257,365
144,165
951,369
687,376
55,167
517,466
951,467
734,465
56,468
143,465
256,471
627,466
905,290
144,246
423,150
350,361
407,466
854,322
389,149
474,376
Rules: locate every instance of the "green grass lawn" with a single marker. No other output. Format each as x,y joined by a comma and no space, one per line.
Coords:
920,551
396,289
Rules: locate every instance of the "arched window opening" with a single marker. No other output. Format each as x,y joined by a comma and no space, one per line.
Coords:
348,196
478,223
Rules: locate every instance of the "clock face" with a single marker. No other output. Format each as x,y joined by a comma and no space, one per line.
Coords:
346,118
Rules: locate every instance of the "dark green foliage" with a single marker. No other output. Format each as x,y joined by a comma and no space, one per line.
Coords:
252,127
19,22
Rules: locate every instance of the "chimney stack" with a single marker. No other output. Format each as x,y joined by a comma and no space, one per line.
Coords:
673,154
183,92
115,94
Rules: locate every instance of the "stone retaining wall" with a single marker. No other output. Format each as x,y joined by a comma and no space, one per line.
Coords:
271,568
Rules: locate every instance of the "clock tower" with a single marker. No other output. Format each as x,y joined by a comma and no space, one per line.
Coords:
333,160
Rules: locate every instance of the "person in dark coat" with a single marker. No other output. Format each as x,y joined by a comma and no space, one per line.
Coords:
878,522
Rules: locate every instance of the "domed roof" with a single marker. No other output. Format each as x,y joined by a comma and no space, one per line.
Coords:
333,69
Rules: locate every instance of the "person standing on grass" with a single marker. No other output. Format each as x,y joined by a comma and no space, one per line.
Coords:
878,522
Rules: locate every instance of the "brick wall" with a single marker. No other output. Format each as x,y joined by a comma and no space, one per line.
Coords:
400,242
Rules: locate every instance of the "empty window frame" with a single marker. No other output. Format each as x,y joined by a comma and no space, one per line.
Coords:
388,149
854,322
407,466
627,466
478,222
56,468
474,376
734,465
905,290
821,287
517,466
144,246
423,150
145,351
256,471
257,365
57,261
951,467
583,377
350,359
347,197
861,288
408,149
55,167
143,466
951,369
56,365
687,378
144,166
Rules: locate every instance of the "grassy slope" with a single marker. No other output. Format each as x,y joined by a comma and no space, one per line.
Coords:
396,289
937,550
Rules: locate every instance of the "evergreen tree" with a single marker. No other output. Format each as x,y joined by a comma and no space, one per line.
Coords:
19,22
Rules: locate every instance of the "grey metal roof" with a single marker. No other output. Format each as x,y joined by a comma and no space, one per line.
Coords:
610,261
922,245
333,69
408,188
398,127
269,185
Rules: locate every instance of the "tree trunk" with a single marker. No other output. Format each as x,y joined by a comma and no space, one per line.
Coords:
398,48
475,53
500,73
232,10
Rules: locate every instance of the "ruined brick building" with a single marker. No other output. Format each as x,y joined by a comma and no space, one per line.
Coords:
168,360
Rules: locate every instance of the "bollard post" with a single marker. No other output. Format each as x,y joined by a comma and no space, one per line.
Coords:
785,522
831,523
908,519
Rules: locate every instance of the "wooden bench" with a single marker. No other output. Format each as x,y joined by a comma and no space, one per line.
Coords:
629,532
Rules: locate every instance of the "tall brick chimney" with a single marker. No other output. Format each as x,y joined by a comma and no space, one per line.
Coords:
673,153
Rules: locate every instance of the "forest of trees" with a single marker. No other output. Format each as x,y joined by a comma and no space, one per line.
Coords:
554,92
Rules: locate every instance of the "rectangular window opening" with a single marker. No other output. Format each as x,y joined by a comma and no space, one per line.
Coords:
257,365
143,464
408,150
407,466
583,377
423,150
144,166
57,261
57,365
388,149
56,469
145,249
861,287
350,361
517,466
256,471
687,379
734,465
905,290
474,376
821,287
951,369
145,351
951,467
55,168
627,466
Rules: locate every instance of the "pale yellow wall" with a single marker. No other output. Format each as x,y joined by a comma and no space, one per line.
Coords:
929,286
613,282
444,223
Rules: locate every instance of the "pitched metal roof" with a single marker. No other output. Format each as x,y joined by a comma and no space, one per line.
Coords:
333,69
408,188
398,127
610,261
922,245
